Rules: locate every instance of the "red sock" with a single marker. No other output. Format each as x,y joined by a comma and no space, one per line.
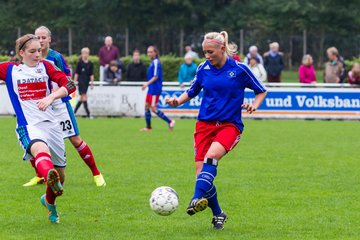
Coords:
86,154
32,161
43,164
50,196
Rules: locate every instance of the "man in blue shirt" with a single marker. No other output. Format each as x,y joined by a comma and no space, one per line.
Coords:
154,85
219,126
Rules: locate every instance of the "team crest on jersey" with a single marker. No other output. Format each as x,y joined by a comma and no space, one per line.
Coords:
38,70
231,74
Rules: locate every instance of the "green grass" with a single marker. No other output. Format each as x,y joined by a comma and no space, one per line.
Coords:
285,180
293,77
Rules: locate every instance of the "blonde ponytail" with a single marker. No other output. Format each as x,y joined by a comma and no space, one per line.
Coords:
222,39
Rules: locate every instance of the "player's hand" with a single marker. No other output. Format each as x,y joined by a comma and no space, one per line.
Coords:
144,86
249,107
173,102
44,103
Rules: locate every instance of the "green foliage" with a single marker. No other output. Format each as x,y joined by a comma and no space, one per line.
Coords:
350,63
284,180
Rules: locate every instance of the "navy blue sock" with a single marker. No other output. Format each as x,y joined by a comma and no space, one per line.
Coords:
148,118
204,181
213,203
162,116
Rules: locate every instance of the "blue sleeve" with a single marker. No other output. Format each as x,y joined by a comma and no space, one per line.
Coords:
156,68
196,87
61,63
251,81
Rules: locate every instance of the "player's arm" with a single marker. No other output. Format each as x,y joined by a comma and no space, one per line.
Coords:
174,102
3,69
44,103
259,98
152,80
156,75
257,87
192,92
66,86
92,81
76,77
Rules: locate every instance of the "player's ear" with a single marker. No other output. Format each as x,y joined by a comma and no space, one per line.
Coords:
223,50
21,52
50,39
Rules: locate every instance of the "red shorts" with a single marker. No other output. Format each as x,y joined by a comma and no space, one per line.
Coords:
225,133
152,99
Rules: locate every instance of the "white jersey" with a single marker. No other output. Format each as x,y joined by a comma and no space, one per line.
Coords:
27,85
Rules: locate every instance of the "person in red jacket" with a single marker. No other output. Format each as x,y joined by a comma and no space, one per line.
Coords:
307,71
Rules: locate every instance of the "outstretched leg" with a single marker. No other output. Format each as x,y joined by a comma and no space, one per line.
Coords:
162,115
88,158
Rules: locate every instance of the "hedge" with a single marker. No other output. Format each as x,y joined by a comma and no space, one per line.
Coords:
170,64
350,63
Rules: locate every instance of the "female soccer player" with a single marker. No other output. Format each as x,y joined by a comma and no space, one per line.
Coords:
84,74
155,79
64,112
29,86
219,125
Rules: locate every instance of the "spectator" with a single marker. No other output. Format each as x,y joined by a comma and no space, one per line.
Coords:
113,73
307,71
189,51
136,71
253,52
334,68
234,54
12,56
257,69
84,74
273,63
187,71
354,74
107,53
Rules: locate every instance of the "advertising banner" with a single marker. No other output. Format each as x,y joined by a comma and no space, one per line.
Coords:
281,102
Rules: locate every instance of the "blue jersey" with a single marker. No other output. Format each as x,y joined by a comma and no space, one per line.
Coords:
224,91
58,60
155,70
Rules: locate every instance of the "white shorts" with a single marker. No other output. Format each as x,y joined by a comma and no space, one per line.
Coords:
48,132
65,116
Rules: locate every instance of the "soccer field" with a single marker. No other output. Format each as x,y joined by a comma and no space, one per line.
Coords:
285,180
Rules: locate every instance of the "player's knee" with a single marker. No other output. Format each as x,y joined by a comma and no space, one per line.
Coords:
38,147
75,141
153,109
147,106
214,155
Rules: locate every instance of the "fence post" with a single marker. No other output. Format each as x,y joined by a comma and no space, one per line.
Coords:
304,42
70,41
241,47
181,43
19,32
126,41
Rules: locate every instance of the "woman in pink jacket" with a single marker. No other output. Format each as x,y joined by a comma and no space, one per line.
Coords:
307,71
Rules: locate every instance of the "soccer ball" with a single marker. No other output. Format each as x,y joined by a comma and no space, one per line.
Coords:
164,201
